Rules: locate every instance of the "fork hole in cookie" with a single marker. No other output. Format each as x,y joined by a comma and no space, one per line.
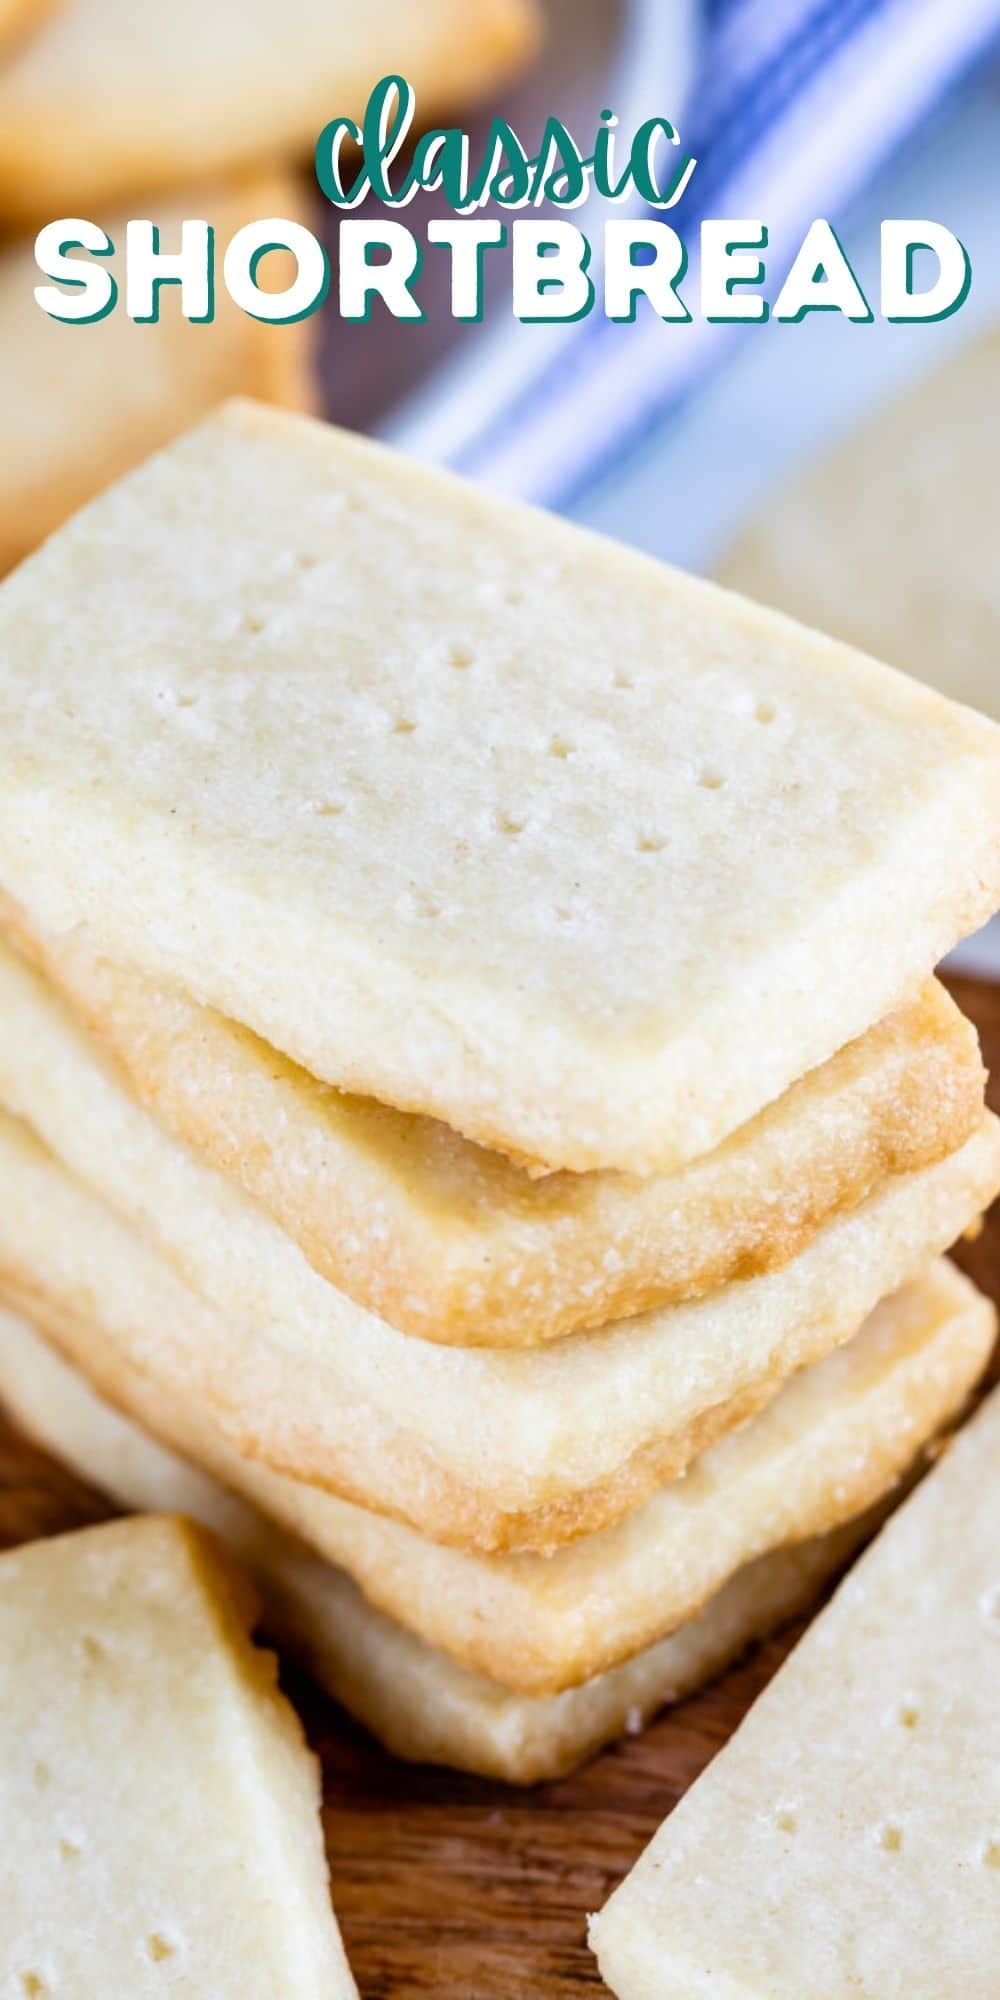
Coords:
160,1947
890,1837
710,779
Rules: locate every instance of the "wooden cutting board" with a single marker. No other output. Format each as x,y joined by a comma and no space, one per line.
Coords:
460,1890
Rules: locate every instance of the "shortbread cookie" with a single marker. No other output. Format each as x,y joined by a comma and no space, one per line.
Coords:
421,1704
845,1845
904,507
493,1448
159,1805
110,98
832,1443
79,407
467,809
456,1244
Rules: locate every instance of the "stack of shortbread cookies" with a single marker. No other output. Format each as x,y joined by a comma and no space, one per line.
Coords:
480,1123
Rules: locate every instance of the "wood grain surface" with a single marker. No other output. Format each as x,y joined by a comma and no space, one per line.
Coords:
456,1889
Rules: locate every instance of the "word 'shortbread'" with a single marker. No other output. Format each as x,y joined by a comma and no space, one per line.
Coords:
470,811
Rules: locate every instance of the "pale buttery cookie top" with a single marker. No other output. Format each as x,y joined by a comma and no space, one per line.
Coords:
846,1844
109,96
466,809
159,1805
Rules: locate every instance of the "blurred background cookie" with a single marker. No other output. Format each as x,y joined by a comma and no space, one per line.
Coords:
109,98
904,509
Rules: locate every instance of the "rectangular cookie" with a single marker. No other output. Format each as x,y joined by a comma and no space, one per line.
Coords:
833,1441
468,810
845,1844
80,407
415,1698
489,1449
146,1752
459,1245
99,103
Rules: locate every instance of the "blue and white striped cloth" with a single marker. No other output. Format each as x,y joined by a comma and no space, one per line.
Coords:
795,106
